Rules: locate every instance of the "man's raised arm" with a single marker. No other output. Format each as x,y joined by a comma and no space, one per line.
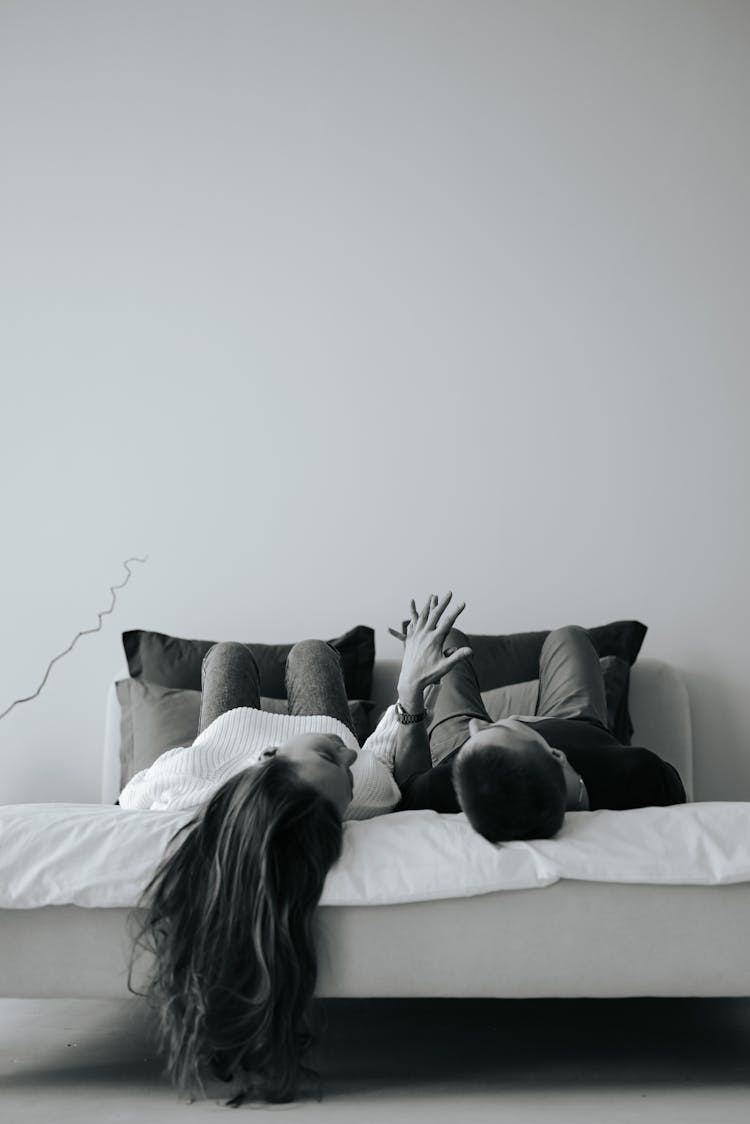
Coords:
424,662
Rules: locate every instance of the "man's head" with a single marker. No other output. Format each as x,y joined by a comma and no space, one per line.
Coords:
509,784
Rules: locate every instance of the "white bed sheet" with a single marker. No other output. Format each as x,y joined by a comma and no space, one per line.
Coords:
102,856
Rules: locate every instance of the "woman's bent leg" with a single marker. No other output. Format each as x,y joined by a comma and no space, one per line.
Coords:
315,681
229,678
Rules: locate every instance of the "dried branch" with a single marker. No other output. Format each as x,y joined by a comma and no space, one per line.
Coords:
77,637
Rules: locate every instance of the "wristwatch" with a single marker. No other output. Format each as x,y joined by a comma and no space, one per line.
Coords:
405,718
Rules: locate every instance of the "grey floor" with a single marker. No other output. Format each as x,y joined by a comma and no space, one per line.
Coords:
607,1061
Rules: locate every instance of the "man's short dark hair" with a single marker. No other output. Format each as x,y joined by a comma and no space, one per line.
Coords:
510,793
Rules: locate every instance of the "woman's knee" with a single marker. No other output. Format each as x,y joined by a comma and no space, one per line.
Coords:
228,653
312,651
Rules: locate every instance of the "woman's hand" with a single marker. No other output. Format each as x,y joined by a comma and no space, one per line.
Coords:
426,660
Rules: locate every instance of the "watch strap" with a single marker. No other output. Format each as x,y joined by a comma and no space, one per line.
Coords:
407,719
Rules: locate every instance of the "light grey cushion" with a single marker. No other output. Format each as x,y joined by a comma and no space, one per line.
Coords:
520,698
154,719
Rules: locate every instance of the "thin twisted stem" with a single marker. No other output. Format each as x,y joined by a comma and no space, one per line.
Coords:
78,635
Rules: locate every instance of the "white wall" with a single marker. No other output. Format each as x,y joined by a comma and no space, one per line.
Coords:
327,304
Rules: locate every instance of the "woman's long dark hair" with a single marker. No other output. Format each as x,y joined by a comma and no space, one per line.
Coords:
229,920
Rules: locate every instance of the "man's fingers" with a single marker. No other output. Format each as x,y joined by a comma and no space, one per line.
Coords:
427,607
438,608
451,617
413,617
433,612
457,656
398,635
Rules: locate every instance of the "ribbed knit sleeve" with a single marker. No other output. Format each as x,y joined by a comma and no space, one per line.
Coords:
188,776
383,740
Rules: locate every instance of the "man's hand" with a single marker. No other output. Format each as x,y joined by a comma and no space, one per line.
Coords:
425,658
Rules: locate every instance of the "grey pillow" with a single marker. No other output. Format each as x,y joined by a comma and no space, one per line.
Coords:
520,698
154,719
517,698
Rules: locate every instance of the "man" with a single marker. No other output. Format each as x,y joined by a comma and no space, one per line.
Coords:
515,778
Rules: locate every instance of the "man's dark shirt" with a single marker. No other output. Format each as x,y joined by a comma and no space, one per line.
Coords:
616,776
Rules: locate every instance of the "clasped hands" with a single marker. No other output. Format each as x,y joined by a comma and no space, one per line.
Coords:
425,659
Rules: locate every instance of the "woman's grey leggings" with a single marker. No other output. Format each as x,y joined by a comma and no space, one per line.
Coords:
314,681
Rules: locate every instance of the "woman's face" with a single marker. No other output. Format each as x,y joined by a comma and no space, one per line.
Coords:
325,763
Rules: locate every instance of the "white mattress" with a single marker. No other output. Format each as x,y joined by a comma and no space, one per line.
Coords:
102,856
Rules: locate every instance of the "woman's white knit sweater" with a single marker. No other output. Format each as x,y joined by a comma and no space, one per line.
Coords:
187,777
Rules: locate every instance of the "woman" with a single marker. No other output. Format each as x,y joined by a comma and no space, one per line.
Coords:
229,913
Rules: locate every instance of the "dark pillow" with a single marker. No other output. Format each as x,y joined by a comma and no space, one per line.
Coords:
514,658
521,698
154,719
174,662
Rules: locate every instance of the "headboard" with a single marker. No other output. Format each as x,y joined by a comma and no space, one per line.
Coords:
659,708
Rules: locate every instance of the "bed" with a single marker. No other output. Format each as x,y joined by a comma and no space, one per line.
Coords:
651,902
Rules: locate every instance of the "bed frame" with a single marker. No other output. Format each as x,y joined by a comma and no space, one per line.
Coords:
570,939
